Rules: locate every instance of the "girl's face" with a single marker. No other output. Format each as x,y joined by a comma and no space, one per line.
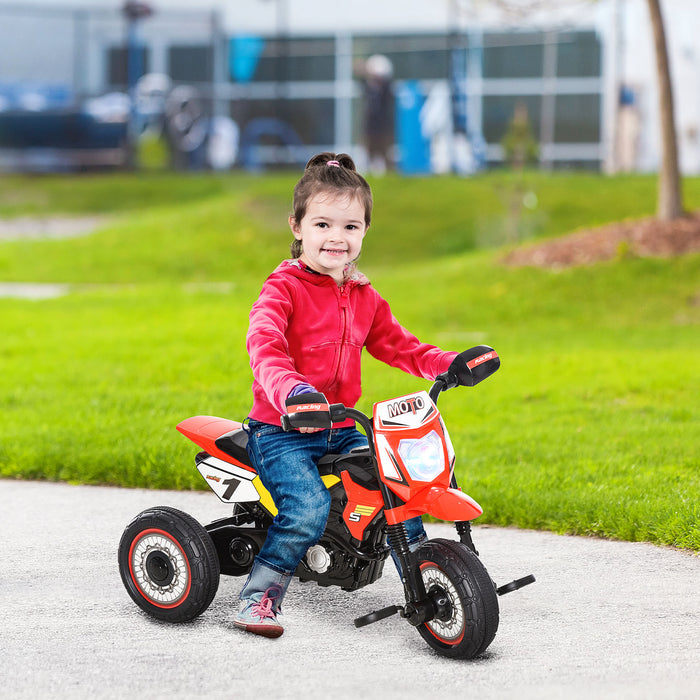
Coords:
331,232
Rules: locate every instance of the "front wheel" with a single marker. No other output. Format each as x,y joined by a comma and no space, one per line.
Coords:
168,564
455,576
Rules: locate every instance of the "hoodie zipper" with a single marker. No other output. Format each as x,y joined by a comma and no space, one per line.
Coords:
344,303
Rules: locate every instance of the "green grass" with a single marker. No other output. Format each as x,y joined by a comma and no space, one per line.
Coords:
592,425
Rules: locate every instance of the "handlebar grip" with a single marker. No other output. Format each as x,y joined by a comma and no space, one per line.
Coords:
308,410
338,413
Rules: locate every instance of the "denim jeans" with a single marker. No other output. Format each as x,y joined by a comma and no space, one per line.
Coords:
287,465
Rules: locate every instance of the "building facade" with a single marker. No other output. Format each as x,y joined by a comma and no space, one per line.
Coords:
288,73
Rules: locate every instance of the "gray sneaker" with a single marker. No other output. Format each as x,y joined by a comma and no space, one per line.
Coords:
260,617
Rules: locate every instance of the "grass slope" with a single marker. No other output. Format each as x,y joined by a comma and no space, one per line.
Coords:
591,426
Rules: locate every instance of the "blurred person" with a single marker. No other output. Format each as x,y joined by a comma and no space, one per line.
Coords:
378,123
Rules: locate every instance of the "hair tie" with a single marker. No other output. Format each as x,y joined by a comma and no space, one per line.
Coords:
333,164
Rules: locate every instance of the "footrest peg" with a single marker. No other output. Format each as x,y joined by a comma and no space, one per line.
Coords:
514,585
377,615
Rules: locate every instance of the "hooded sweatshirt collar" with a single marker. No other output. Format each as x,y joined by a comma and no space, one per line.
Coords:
298,269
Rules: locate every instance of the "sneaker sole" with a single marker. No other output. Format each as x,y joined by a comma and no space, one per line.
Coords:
270,631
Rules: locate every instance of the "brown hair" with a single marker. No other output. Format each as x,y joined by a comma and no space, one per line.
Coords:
334,173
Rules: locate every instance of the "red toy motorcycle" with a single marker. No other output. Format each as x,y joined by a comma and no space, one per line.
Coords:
170,564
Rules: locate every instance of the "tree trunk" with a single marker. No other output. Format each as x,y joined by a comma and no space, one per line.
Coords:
669,205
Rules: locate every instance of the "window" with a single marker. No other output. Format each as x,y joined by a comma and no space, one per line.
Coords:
297,59
513,55
578,55
413,56
498,113
118,65
190,64
577,119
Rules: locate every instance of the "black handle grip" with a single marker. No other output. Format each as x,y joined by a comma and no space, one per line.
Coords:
308,410
338,413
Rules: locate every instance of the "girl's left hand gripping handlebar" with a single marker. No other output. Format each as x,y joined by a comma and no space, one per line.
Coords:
307,411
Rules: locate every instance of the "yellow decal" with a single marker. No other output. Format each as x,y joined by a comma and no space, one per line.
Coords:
330,480
265,499
359,511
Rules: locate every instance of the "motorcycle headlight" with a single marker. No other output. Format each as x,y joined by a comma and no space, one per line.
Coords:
423,457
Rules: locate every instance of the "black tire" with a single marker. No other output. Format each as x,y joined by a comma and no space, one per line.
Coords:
452,571
168,564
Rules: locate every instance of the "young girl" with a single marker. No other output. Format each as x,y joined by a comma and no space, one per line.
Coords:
307,329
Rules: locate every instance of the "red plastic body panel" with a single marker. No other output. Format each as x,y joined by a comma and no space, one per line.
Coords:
440,502
362,506
389,434
413,417
204,431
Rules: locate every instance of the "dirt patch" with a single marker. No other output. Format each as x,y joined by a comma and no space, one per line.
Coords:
643,238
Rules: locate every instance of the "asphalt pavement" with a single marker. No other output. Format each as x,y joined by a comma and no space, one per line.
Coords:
604,619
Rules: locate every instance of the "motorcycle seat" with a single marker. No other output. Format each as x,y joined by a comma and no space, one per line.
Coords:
358,462
234,445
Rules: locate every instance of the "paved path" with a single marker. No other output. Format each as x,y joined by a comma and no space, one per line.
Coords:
604,620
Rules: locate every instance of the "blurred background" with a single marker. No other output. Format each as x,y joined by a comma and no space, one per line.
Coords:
411,85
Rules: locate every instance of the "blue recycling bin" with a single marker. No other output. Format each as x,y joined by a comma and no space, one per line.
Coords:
413,147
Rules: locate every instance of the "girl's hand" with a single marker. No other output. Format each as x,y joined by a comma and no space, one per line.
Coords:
307,412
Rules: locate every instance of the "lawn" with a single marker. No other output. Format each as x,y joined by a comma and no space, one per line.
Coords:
592,425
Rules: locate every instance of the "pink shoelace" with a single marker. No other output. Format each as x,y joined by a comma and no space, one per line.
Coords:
263,609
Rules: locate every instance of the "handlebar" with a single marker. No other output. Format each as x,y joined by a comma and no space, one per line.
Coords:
338,412
311,410
442,383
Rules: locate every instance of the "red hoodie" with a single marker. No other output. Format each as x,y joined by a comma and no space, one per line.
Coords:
304,328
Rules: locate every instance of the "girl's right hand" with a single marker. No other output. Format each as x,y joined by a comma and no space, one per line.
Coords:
308,413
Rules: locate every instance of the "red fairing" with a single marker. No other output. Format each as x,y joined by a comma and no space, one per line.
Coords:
204,431
441,503
420,478
408,418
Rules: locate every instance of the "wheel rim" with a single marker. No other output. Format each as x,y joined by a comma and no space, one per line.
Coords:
450,629
159,568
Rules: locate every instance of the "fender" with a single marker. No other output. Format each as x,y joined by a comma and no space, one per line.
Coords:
205,430
442,503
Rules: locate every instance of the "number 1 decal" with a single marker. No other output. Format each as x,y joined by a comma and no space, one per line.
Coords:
232,485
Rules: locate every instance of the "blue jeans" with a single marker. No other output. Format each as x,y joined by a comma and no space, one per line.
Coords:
287,466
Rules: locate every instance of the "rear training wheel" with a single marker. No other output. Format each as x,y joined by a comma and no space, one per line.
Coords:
458,582
168,564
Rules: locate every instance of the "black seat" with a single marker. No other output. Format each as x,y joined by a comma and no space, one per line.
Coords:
358,462
234,445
